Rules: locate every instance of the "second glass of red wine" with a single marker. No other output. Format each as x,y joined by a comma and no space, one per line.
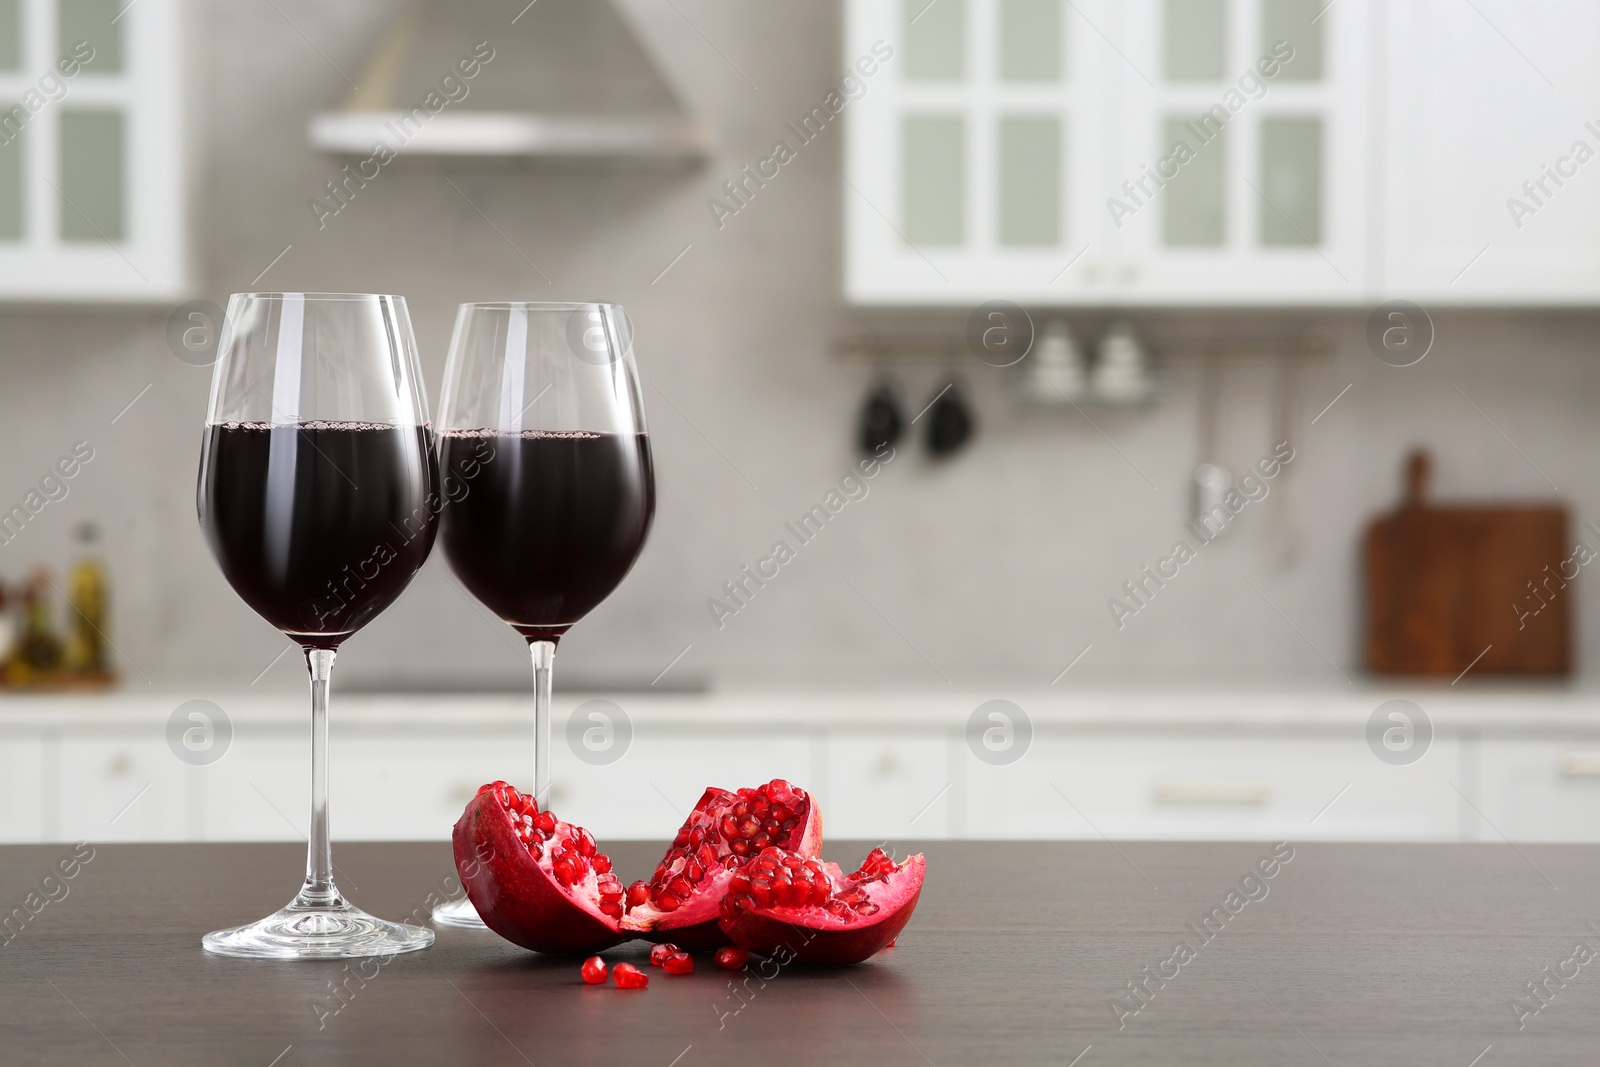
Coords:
317,495
548,484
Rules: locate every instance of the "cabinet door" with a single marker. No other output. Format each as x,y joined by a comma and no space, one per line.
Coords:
1539,791
22,799
123,786
1240,152
1490,143
891,787
1158,786
975,158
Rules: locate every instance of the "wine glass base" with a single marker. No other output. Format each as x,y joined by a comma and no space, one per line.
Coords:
317,932
459,913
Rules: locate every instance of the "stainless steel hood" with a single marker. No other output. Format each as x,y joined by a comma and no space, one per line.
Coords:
566,81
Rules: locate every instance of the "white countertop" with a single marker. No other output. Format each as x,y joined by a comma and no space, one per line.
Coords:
1486,708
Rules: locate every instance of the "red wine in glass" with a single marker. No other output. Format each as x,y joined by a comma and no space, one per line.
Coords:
551,523
295,534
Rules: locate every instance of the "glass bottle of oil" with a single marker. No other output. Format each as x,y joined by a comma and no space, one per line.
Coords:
86,591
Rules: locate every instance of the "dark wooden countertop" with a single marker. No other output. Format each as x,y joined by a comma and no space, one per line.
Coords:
1356,955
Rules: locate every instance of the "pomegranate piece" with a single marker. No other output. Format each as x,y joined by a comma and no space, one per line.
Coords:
795,907
627,976
680,901
536,881
732,957
594,970
678,963
544,884
660,952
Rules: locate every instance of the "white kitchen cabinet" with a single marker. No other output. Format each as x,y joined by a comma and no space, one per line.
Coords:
92,167
121,785
1014,148
23,762
1431,150
1482,98
1209,787
889,786
1268,105
1544,790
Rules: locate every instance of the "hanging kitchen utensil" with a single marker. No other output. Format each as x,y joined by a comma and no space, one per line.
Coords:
1211,479
950,421
881,422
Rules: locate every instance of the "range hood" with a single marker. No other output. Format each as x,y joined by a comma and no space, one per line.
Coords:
566,81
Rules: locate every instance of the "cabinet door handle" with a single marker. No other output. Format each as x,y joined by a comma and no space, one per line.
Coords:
1582,764
1213,791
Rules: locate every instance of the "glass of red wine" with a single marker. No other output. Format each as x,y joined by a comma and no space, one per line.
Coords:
549,484
318,497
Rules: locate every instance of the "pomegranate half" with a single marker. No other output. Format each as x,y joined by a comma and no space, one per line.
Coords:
544,884
790,906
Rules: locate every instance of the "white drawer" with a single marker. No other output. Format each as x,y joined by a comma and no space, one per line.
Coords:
1538,791
22,786
123,787
888,787
1164,787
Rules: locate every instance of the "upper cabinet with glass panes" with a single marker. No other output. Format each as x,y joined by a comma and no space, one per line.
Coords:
91,169
1221,152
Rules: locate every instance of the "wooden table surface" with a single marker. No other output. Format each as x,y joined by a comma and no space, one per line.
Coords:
1349,954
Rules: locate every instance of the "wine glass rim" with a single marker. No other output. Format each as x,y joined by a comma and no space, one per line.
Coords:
536,305
319,296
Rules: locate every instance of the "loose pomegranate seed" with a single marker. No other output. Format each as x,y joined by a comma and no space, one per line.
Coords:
594,970
661,952
627,976
731,958
678,963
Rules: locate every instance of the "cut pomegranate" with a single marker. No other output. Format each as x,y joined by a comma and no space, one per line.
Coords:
661,952
732,958
594,970
678,963
543,884
627,976
785,904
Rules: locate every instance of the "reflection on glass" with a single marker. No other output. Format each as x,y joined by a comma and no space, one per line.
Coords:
1030,180
1291,178
10,34
1195,204
91,176
1030,40
935,39
99,23
1196,43
10,175
1291,20
934,185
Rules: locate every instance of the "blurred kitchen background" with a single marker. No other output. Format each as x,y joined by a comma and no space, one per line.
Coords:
1384,237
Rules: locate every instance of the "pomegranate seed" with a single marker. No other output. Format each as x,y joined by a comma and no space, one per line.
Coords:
667,903
601,863
678,963
594,970
546,822
638,893
627,976
731,958
661,952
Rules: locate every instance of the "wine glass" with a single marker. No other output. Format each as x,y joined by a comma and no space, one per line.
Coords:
318,498
548,483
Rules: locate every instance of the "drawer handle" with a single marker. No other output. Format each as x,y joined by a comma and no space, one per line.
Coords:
1580,764
1213,791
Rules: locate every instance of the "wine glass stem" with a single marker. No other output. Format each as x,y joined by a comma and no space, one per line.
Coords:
544,655
319,888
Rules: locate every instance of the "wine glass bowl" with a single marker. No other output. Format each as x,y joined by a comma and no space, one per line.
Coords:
318,498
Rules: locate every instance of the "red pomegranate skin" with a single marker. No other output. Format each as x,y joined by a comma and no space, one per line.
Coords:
513,896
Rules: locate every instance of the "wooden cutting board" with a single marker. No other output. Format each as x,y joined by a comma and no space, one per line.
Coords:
1486,586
